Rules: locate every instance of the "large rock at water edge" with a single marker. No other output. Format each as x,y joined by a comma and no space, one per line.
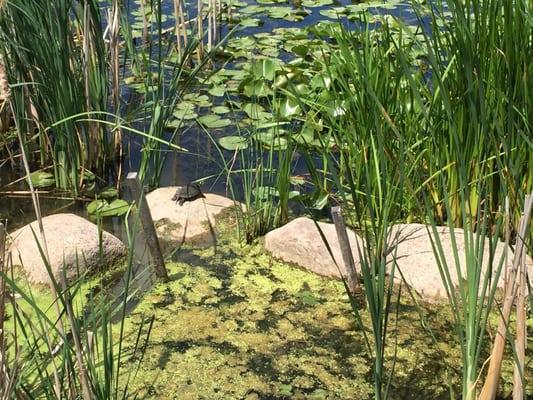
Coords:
193,222
412,248
299,242
72,242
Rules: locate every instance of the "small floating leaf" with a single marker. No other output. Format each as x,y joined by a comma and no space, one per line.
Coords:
214,121
220,110
217,91
102,208
108,193
41,179
233,142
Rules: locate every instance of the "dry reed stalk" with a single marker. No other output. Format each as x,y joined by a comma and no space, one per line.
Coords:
183,23
521,333
490,387
88,57
5,93
145,23
177,24
200,33
211,24
3,369
114,49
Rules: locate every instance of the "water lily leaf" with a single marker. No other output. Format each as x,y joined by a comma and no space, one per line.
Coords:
108,193
214,121
249,22
288,108
186,105
220,110
102,208
256,111
184,114
94,206
217,91
272,139
320,81
333,13
306,136
300,50
41,179
279,12
316,3
266,68
233,142
257,88
117,208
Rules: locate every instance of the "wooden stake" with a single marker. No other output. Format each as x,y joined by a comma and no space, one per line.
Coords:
349,264
133,184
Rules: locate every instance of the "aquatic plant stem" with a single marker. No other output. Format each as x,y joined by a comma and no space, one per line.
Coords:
490,387
3,296
44,246
521,332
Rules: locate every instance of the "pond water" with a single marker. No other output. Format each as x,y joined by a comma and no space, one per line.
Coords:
202,159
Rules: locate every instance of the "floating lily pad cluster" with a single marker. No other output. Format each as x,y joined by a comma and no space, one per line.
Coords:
252,88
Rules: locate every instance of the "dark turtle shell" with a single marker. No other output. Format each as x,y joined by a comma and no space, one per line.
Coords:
187,193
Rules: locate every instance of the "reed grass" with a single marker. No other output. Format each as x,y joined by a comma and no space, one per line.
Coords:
67,39
87,358
442,138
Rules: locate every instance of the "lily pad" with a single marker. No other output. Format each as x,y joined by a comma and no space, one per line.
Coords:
220,110
109,192
41,179
102,208
233,142
213,121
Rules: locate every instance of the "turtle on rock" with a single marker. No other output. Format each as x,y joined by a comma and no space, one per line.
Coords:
188,192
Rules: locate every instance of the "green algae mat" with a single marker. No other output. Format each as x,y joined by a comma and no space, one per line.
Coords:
239,325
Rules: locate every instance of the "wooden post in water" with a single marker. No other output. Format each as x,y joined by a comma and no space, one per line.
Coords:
342,235
133,184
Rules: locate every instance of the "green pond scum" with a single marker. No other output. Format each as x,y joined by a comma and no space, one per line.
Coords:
238,324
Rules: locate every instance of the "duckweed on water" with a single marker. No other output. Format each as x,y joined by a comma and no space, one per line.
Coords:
240,325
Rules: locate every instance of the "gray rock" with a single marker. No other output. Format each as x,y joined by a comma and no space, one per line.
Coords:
299,242
193,222
72,242
416,260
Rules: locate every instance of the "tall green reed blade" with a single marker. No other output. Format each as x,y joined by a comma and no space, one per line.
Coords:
371,124
41,348
479,58
56,50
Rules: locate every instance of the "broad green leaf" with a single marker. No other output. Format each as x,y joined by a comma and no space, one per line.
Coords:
233,142
214,121
41,179
108,193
